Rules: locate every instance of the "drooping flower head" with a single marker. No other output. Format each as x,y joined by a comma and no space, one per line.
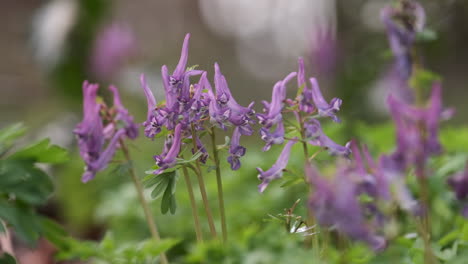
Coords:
235,150
101,124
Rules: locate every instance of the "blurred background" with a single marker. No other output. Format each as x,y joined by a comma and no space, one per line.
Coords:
49,47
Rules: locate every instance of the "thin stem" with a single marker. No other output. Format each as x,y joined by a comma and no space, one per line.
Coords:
315,240
196,221
220,185
429,257
201,184
149,217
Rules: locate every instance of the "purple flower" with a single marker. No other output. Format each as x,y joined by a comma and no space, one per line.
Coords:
170,158
112,47
276,171
315,136
273,110
131,129
305,98
324,108
275,138
459,184
154,121
236,151
236,114
95,165
402,23
336,206
90,132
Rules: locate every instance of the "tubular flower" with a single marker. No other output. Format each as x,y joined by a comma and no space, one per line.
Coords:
275,138
402,23
154,121
92,133
335,204
305,98
273,110
324,108
170,158
236,151
131,129
316,137
276,171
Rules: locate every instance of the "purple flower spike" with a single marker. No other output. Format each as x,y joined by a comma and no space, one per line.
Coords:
275,138
92,167
324,108
276,171
316,137
131,129
402,34
236,151
169,160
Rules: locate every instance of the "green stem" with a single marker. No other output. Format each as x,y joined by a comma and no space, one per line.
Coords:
311,217
201,184
196,221
220,185
149,217
429,257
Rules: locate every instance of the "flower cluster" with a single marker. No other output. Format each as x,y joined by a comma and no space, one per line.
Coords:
307,107
403,21
188,106
101,126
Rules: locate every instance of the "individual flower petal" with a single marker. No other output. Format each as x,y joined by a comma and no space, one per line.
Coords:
276,171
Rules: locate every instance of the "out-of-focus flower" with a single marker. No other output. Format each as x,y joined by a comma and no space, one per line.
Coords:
403,21
92,133
335,205
417,129
459,185
114,44
276,171
316,137
235,150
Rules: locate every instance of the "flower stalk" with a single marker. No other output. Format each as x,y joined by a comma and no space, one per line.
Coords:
201,183
144,204
196,220
220,185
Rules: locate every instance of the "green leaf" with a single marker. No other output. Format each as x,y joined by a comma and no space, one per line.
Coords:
423,79
168,201
153,179
160,188
43,152
9,134
54,233
24,181
6,258
23,220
